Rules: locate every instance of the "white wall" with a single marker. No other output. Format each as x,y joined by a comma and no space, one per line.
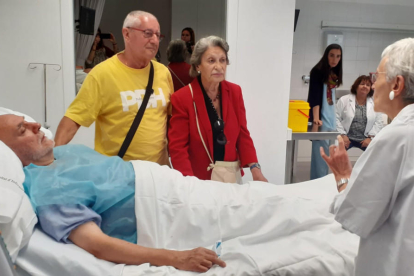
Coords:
204,17
260,35
36,39
115,12
362,49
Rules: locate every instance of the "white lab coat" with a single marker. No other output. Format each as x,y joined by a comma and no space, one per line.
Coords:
345,113
378,203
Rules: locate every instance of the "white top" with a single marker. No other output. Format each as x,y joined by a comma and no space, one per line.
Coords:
378,203
345,113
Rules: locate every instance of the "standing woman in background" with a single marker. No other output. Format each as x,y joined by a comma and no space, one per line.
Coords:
188,36
324,78
180,70
99,52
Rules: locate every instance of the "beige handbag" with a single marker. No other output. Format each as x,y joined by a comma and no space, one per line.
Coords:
223,171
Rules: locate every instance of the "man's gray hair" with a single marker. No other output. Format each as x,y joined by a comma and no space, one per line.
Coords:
177,51
401,63
133,18
201,47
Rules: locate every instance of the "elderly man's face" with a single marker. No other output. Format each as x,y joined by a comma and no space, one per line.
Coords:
25,139
213,65
140,45
381,89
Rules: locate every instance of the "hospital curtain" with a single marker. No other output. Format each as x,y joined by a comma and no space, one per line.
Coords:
83,43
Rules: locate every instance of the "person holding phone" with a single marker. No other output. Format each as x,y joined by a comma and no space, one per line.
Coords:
325,77
99,52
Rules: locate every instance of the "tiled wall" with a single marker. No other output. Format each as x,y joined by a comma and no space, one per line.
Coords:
362,49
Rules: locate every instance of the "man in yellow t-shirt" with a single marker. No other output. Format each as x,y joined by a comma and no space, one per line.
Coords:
113,92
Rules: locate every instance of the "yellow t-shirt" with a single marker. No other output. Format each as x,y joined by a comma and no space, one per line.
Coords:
111,95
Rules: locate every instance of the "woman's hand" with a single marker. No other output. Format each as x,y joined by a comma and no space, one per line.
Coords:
198,260
317,122
112,39
97,40
365,143
257,175
347,142
338,160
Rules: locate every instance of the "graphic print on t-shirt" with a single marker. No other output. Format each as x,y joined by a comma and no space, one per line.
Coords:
130,98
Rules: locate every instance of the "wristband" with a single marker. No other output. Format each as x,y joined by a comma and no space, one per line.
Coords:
255,165
342,182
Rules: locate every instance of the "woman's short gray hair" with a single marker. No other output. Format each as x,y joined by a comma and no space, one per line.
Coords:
134,17
201,47
401,63
177,51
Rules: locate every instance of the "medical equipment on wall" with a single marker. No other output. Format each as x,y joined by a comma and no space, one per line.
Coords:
334,38
57,68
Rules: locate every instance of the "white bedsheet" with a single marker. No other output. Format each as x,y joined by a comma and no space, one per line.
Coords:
266,229
43,256
283,229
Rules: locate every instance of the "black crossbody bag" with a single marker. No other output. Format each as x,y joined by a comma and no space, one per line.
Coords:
140,114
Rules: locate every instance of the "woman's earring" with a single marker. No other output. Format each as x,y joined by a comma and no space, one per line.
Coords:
392,94
198,72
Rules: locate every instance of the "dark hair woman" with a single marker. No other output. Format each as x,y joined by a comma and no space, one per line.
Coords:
325,76
99,52
187,35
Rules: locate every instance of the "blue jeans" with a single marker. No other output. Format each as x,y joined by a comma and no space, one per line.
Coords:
355,144
319,168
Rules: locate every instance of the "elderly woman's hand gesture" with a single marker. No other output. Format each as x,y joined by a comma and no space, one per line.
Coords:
338,160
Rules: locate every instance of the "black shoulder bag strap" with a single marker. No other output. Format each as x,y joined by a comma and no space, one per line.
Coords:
140,114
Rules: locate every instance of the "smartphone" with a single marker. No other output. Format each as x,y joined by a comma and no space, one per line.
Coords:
105,36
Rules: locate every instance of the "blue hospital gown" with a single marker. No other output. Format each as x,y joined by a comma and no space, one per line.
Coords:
82,185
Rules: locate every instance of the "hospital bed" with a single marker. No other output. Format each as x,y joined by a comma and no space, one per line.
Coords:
295,253
303,239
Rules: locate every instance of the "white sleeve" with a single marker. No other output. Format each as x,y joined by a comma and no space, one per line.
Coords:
373,186
337,202
338,111
378,125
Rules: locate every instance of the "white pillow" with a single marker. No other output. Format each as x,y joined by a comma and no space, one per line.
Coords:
4,111
17,218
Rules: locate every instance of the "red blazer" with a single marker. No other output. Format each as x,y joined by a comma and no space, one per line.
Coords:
186,149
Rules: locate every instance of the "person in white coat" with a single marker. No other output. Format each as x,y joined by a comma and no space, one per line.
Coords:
356,120
376,197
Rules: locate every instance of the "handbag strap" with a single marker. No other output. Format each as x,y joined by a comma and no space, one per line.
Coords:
211,166
176,76
140,114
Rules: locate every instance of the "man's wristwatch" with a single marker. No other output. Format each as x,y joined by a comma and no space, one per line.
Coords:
255,165
342,182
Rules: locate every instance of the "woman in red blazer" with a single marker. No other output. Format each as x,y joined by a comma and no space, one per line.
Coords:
219,103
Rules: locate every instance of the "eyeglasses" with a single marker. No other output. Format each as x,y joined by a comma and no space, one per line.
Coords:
374,76
148,33
219,127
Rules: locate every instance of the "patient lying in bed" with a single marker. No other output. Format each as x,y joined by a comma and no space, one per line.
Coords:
100,203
